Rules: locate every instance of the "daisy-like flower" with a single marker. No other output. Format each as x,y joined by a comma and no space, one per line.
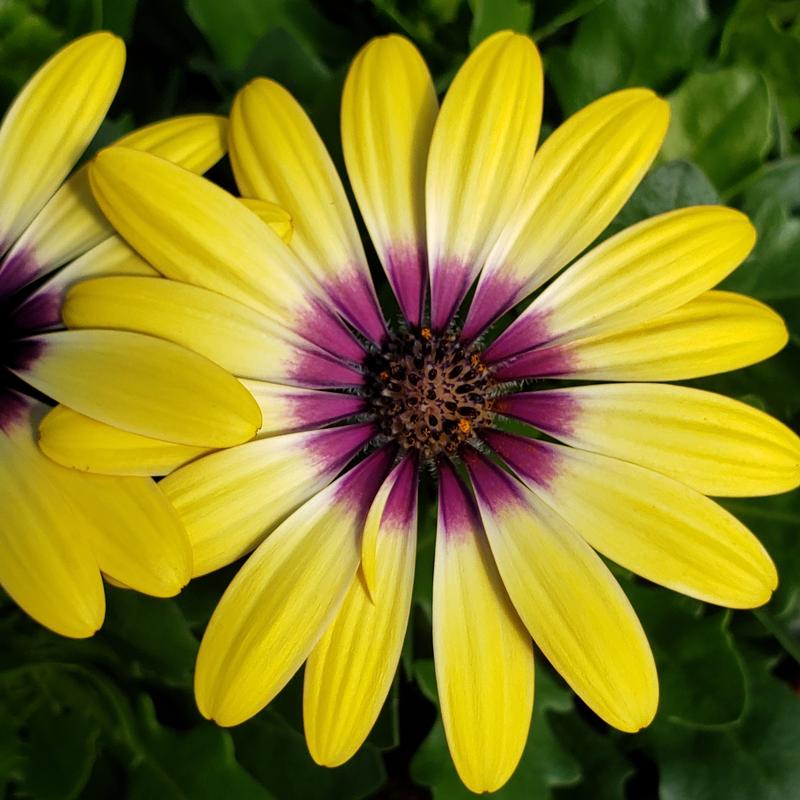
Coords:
355,409
59,529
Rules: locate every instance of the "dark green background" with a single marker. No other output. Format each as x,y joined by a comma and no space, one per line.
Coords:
114,716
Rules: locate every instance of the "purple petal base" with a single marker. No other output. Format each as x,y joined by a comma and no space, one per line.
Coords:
493,297
358,487
550,362
495,488
406,268
41,311
525,333
400,512
550,411
17,269
321,371
13,408
450,282
536,462
458,516
332,449
354,298
315,410
320,326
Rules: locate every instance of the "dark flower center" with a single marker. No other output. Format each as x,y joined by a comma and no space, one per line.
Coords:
429,392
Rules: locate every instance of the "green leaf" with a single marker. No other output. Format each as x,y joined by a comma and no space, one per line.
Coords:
776,522
490,16
27,38
60,749
553,15
234,27
151,636
778,180
721,120
772,271
766,36
629,43
545,763
756,758
604,767
699,670
198,764
276,754
676,184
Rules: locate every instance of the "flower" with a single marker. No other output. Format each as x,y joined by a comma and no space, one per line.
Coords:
60,530
355,410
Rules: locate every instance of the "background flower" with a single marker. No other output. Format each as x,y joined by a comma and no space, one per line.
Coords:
733,105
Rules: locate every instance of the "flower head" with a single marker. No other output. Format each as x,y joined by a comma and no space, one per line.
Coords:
61,529
451,198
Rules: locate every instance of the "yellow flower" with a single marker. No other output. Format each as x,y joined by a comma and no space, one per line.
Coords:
59,529
450,198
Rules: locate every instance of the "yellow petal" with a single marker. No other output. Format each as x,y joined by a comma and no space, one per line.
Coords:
46,564
716,332
388,109
229,501
134,532
483,654
580,178
110,257
276,217
278,156
350,671
716,445
282,600
71,223
82,443
238,338
51,122
289,408
481,151
145,386
647,270
653,525
576,612
192,231
195,141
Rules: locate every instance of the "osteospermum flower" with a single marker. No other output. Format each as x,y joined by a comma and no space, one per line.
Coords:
59,529
451,198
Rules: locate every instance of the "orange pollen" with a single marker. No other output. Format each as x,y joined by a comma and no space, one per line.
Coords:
425,333
384,376
464,425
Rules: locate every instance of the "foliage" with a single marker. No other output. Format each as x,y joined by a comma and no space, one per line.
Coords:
114,716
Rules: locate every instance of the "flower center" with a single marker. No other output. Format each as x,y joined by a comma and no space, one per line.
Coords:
429,392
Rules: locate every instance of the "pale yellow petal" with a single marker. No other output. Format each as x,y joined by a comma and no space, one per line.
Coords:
192,231
647,270
350,671
143,385
276,217
47,564
71,222
51,122
483,654
79,442
716,445
480,154
580,178
135,533
573,607
648,523
388,110
230,500
238,338
715,332
282,600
